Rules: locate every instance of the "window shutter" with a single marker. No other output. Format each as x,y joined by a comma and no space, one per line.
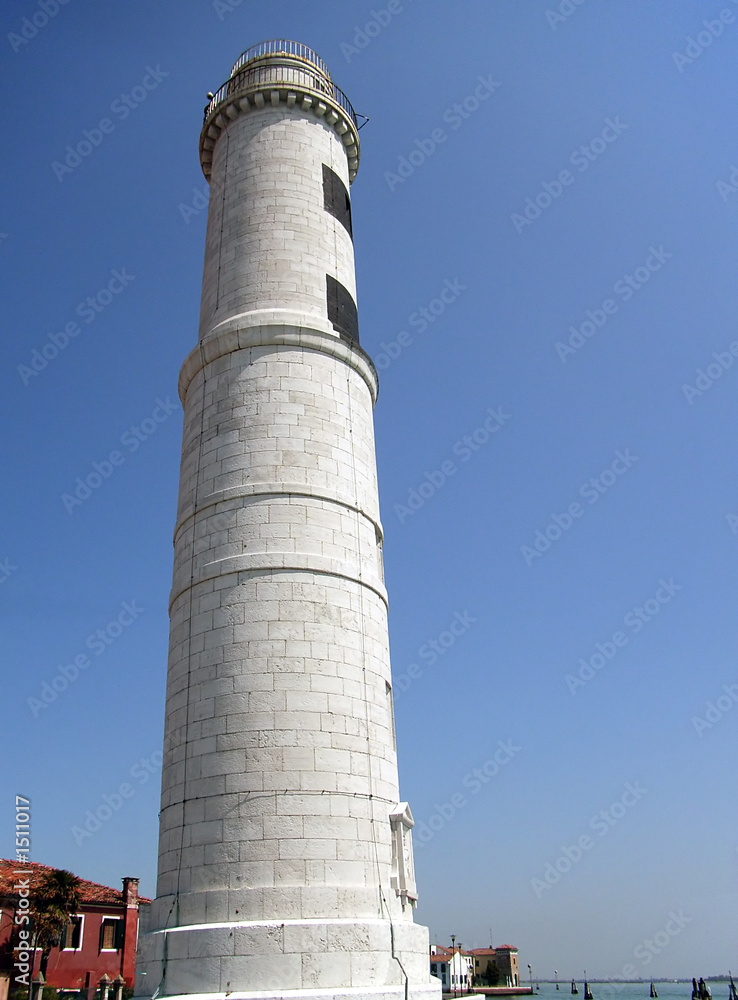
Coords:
342,311
63,937
101,941
336,198
120,933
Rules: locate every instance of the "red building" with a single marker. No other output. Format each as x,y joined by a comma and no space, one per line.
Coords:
100,939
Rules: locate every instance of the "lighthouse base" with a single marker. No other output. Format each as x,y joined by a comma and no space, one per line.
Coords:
338,959
342,993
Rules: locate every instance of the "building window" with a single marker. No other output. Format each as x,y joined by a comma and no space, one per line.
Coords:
71,938
342,309
111,934
336,199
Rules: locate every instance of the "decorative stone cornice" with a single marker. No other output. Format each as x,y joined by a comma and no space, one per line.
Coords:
274,327
270,79
280,562
247,492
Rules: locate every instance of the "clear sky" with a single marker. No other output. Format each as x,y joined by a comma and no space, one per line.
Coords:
556,439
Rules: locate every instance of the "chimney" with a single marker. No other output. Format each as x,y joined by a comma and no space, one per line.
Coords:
130,891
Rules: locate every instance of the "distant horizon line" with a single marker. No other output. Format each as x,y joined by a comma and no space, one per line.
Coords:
720,978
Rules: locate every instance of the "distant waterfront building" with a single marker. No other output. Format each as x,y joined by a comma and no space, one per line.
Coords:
506,957
499,963
100,939
440,960
455,968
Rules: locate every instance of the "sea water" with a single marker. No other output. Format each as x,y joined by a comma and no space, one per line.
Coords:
629,991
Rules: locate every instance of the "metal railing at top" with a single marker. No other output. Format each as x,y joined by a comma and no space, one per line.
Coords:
340,98
275,76
281,47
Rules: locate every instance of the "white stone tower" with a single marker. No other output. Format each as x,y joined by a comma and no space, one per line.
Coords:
285,858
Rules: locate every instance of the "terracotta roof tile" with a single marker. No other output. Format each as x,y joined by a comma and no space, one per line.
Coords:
90,892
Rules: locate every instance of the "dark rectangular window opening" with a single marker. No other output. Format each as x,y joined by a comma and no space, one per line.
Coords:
111,934
342,310
336,199
71,935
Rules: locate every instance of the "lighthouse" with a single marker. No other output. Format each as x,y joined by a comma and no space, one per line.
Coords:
285,851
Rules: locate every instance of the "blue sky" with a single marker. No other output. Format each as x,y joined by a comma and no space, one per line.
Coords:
585,356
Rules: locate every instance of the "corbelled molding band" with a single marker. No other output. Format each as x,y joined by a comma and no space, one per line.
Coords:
241,332
254,97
